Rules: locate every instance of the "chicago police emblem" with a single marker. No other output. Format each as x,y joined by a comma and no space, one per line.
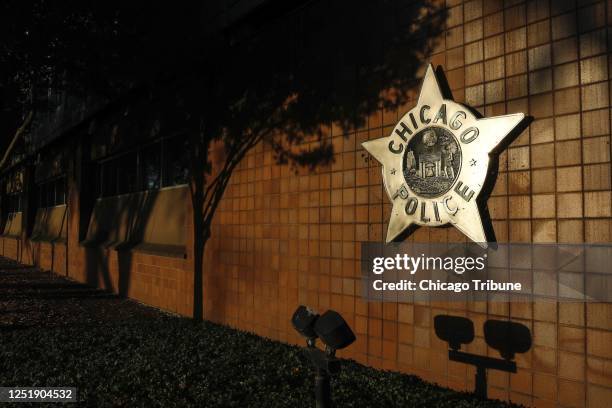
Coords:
436,162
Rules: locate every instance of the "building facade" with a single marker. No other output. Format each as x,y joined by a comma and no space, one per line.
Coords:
113,210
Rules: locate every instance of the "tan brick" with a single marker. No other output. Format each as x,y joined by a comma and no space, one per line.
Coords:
538,33
518,158
597,204
516,63
514,17
569,205
596,149
473,30
567,127
473,52
537,10
543,155
598,343
563,26
494,69
543,181
543,206
565,50
516,40
592,43
472,10
571,366
516,86
541,106
494,91
519,207
454,37
567,101
597,177
596,123
594,69
566,75
540,81
455,16
493,24
569,179
595,96
474,74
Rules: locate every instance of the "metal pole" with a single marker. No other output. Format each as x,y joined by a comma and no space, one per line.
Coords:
322,389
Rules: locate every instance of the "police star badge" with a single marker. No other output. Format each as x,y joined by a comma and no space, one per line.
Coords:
436,162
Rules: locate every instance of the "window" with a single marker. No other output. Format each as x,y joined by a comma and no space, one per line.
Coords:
52,192
50,199
13,203
108,178
13,188
150,167
176,162
60,191
127,173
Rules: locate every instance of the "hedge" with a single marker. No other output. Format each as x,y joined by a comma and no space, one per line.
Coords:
117,352
169,361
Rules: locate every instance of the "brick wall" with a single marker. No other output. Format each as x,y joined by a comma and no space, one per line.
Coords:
282,239
161,281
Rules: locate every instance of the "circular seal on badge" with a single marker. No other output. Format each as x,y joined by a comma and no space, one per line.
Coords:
432,161
435,162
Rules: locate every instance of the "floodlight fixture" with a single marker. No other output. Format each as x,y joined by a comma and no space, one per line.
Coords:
303,321
333,331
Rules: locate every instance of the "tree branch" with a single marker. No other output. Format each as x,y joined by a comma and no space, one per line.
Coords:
18,134
220,183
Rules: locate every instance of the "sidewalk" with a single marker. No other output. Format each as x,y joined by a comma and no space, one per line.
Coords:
32,298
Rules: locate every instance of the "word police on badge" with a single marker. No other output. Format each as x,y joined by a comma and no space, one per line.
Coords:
435,162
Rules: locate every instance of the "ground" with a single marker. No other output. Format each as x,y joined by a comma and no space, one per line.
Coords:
55,332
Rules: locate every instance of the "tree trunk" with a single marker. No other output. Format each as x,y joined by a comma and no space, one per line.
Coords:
201,235
198,281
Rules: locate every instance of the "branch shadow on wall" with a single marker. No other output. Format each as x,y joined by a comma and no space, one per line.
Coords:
298,78
306,71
